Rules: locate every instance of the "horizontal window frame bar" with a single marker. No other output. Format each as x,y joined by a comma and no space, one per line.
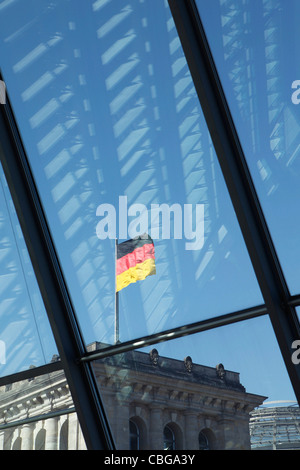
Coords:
175,333
36,419
31,373
294,300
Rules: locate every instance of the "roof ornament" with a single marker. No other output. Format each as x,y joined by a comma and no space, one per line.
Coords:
154,356
220,371
188,363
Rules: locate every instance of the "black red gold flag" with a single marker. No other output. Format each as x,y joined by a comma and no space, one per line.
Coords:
135,260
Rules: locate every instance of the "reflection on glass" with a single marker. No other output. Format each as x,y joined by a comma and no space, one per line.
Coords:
255,46
107,108
276,426
25,336
38,414
196,392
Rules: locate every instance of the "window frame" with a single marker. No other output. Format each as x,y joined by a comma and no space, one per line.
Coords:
279,305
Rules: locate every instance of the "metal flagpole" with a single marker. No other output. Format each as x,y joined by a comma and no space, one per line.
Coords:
116,298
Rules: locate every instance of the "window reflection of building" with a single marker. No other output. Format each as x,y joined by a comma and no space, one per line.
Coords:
149,406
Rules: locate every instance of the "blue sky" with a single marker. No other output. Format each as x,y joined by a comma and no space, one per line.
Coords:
107,107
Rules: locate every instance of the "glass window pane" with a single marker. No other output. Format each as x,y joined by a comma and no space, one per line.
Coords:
205,384
203,441
109,115
276,427
38,414
255,46
169,439
26,338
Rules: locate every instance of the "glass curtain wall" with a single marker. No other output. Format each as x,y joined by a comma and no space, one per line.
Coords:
118,146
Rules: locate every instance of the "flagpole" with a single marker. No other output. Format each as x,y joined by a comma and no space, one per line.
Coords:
116,298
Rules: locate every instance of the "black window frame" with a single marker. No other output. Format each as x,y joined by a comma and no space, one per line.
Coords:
76,362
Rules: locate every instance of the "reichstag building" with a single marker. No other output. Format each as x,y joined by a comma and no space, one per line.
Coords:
152,402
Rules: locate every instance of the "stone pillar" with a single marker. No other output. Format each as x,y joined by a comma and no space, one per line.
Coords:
191,431
73,426
228,433
156,432
121,425
27,436
240,434
6,439
51,434
2,441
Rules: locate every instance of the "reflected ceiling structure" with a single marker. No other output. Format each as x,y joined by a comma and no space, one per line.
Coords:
122,119
113,99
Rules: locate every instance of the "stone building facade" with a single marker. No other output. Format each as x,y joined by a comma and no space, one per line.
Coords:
152,403
28,402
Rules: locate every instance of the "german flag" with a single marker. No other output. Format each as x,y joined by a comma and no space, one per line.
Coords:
135,261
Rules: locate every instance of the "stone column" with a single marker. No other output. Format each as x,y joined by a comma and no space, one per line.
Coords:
73,426
51,434
226,425
191,431
156,432
2,441
6,439
27,436
121,425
